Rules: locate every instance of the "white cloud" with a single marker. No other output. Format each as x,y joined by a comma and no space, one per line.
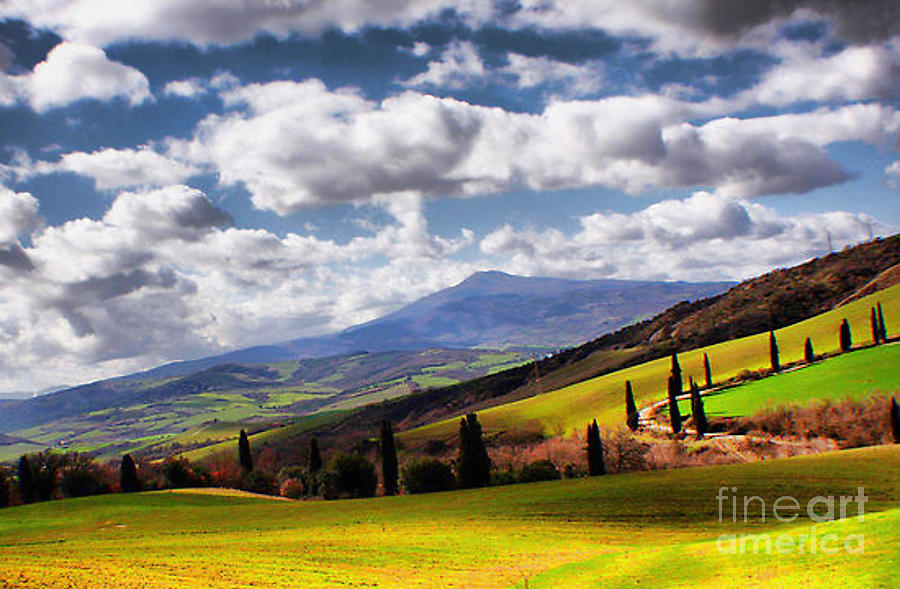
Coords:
18,214
295,145
892,172
121,168
189,88
73,72
160,277
459,66
706,236
856,73
577,80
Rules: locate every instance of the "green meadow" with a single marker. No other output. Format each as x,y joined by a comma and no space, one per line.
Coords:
857,375
642,529
568,409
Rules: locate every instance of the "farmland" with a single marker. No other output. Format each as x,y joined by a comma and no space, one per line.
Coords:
621,530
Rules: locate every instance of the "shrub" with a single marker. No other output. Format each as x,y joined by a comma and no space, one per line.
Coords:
540,470
624,453
81,477
292,488
500,478
258,481
354,475
428,475
178,473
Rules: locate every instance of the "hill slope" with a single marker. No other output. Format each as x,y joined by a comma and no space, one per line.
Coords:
615,531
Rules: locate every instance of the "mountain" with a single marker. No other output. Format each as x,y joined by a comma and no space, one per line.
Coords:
488,309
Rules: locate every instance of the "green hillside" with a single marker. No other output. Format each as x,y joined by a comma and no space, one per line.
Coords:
616,531
570,408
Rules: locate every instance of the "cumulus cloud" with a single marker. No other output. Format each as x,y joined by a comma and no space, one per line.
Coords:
72,72
163,275
18,214
299,144
703,237
856,73
892,173
687,26
458,66
188,88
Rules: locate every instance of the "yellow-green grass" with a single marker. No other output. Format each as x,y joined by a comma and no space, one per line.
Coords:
258,440
656,529
570,408
857,375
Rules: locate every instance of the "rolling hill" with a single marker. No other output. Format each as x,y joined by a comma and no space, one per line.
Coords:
614,531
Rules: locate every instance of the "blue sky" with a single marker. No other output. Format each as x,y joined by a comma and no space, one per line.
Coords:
183,177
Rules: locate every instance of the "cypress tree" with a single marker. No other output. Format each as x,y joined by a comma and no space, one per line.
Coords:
26,481
876,329
808,354
600,462
707,371
4,489
895,420
128,478
473,463
881,327
244,456
596,466
389,470
846,340
698,411
773,352
674,412
676,369
631,410
315,457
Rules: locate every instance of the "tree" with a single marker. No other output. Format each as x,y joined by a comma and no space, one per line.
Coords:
876,328
428,475
128,477
773,352
808,354
707,371
5,494
674,392
244,456
473,464
389,470
354,476
45,467
846,340
315,457
881,327
81,477
698,412
895,420
26,481
631,410
596,466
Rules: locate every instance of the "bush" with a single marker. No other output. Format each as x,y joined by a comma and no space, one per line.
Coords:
258,481
178,473
541,470
502,477
81,477
354,476
292,489
624,453
428,475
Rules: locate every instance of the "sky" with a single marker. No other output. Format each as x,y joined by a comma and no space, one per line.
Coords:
179,178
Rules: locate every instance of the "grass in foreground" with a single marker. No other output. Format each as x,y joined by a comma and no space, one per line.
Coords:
645,529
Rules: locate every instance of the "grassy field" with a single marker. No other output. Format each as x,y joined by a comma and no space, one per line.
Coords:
570,408
856,376
654,529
